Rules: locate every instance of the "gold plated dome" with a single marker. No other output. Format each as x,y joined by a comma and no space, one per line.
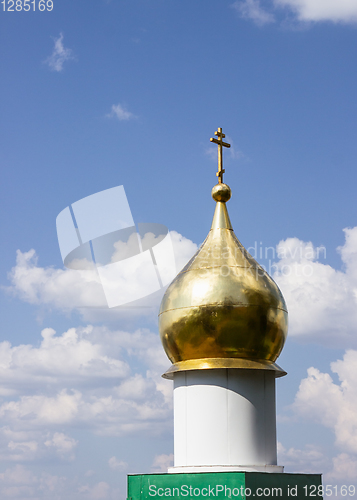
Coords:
222,310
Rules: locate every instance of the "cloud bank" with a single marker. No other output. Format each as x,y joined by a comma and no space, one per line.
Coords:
82,377
334,405
80,290
105,382
19,483
108,382
321,300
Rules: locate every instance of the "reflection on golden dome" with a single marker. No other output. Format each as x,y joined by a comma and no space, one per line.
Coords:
223,310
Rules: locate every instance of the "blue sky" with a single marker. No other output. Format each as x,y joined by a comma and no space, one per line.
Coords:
100,94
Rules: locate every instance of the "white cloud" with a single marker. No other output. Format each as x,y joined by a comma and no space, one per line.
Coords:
77,379
322,306
42,406
116,464
309,460
100,491
34,444
68,358
39,410
135,387
334,405
64,289
348,253
119,111
97,492
20,446
18,475
80,378
344,11
313,459
344,467
59,55
302,11
64,445
253,11
162,462
70,289
19,483
19,451
322,301
23,447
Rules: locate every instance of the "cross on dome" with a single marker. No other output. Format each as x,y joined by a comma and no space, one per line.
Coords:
220,143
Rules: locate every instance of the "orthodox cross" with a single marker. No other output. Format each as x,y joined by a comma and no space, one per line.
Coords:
220,143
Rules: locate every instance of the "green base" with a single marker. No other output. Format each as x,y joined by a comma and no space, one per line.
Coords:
224,485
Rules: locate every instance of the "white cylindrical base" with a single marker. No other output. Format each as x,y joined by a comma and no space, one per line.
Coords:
225,417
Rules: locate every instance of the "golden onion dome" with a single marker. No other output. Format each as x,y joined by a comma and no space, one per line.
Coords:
223,310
